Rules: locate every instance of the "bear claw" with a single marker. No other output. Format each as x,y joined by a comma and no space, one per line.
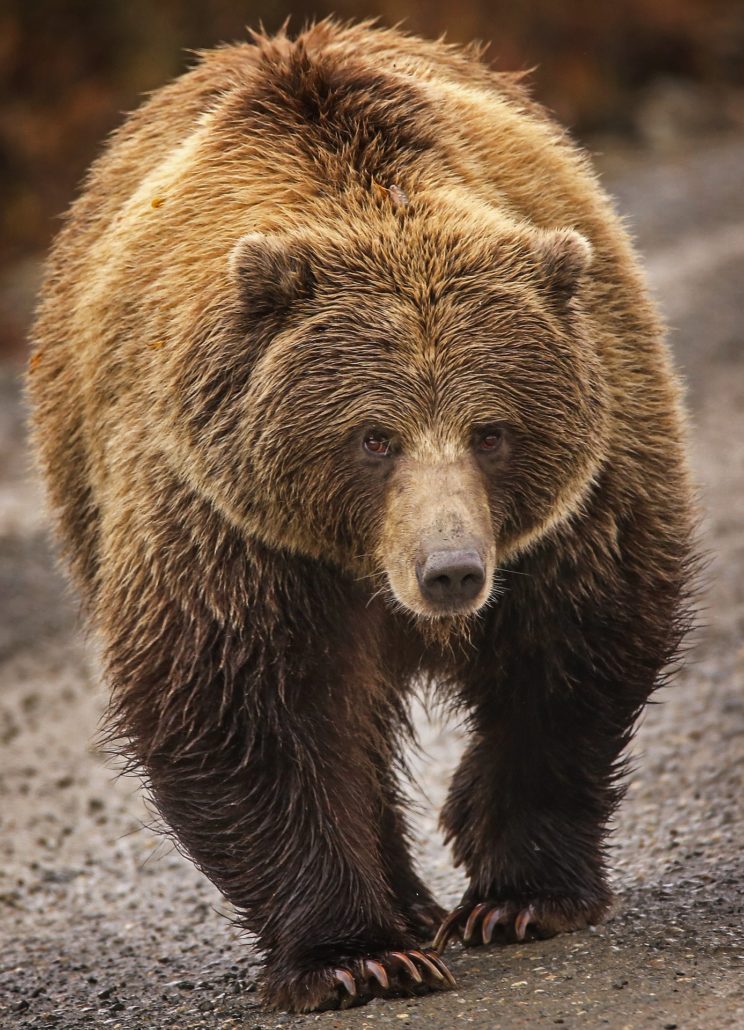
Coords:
408,966
516,922
448,928
346,980
391,974
433,964
524,920
473,920
378,972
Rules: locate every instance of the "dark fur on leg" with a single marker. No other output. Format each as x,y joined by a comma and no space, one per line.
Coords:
567,661
233,728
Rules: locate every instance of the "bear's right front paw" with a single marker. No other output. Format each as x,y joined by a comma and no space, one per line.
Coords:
391,974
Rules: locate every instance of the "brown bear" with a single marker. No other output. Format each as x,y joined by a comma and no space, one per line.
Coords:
346,379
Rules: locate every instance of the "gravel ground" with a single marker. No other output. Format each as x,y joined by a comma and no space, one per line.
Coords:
103,924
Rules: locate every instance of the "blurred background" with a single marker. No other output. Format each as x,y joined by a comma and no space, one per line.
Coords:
646,72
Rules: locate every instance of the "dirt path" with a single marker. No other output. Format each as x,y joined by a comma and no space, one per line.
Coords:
103,925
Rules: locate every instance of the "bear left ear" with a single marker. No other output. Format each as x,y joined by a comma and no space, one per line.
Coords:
563,256
271,272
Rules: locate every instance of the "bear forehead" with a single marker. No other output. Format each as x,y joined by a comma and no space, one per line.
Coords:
389,359
415,286
419,320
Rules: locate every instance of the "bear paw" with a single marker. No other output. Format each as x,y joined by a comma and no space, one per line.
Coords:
509,922
391,974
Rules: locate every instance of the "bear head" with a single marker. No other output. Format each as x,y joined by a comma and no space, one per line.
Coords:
416,403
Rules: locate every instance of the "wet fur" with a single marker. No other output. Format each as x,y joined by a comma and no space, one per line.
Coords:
260,669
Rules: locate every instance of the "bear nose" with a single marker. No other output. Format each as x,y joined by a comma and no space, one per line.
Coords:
451,577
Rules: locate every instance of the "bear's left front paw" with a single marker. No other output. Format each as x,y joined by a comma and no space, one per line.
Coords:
508,921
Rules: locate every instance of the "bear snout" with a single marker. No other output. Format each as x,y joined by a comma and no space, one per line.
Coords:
451,578
438,545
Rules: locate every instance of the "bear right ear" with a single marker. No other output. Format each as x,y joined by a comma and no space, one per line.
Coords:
271,272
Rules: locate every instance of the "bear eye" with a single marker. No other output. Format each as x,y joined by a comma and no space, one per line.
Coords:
377,443
490,439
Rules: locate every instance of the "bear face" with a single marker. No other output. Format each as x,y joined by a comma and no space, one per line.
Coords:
415,405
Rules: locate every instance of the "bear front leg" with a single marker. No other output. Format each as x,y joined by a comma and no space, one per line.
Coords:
529,805
351,935
354,959
565,665
527,818
254,741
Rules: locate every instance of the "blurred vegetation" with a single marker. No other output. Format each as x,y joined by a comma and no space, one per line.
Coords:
69,68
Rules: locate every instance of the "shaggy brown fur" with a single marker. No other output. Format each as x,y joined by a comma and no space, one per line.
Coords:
328,312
